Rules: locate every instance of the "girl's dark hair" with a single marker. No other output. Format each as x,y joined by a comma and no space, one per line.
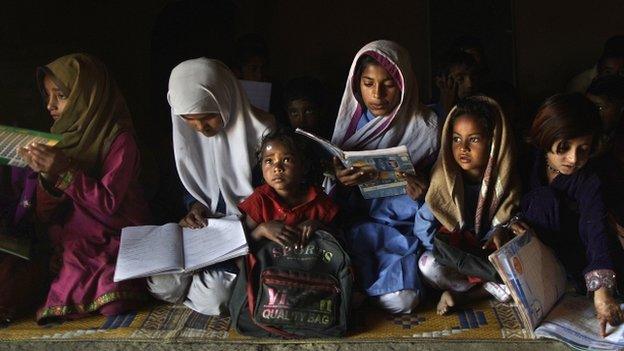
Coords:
564,117
295,143
611,87
484,112
363,62
305,88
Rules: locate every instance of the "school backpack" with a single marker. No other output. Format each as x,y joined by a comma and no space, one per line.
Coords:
294,293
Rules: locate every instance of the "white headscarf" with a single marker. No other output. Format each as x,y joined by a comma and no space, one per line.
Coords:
222,163
410,123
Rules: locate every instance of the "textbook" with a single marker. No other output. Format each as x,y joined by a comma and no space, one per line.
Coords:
12,139
537,282
151,250
389,165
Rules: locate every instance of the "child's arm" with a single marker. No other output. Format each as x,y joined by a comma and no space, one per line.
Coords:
275,231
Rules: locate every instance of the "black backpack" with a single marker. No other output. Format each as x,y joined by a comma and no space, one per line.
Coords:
294,293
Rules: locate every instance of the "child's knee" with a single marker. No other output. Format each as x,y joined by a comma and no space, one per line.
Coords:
427,264
171,288
400,302
210,292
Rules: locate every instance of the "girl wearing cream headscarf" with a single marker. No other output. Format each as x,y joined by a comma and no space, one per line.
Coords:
474,192
215,134
88,188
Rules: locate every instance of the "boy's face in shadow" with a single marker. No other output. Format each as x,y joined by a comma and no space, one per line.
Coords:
304,114
610,112
466,80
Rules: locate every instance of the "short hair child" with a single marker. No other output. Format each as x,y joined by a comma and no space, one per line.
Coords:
285,209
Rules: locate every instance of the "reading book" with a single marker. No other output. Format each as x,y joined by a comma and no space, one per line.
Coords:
537,282
152,250
388,163
12,139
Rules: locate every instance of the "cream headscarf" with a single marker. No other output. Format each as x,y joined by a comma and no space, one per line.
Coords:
95,114
499,196
220,164
410,124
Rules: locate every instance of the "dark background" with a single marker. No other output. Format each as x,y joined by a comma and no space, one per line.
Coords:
536,45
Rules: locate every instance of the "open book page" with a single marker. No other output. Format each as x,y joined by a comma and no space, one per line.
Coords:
389,164
326,144
573,321
222,239
149,250
258,93
533,274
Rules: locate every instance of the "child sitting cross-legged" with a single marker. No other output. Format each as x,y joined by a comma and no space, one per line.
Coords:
286,209
474,192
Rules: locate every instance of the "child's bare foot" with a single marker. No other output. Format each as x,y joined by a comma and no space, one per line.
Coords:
447,301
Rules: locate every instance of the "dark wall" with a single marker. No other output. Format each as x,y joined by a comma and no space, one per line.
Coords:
320,38
558,39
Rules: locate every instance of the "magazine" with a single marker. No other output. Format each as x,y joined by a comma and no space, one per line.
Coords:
152,250
389,165
12,139
537,282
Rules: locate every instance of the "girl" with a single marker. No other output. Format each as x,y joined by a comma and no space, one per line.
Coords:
380,108
473,192
88,188
285,209
215,130
564,203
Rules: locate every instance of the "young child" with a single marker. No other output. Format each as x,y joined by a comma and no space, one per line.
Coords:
285,209
88,188
305,106
564,203
474,192
460,78
607,93
380,109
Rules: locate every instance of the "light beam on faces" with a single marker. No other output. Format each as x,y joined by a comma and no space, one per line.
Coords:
208,124
569,156
56,101
470,146
379,90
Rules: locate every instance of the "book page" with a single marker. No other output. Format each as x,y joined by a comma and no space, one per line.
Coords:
389,164
258,93
533,274
573,321
12,139
326,144
149,250
222,239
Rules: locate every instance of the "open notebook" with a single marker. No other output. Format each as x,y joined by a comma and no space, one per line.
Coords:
152,250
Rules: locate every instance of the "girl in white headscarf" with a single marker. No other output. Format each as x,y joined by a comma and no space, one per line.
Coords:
380,108
215,133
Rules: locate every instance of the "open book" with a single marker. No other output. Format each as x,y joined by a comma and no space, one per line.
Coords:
537,282
152,250
388,163
12,139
